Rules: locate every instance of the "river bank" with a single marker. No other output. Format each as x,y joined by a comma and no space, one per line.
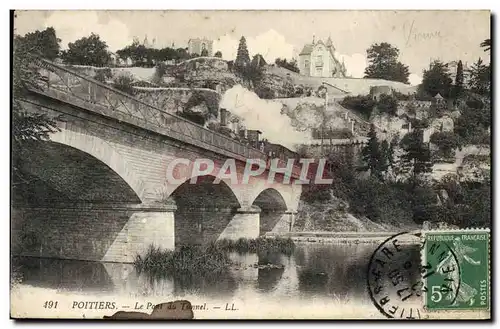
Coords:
343,237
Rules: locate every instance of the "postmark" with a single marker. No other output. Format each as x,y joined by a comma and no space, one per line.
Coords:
396,277
461,280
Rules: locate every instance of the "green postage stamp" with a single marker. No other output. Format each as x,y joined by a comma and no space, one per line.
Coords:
456,269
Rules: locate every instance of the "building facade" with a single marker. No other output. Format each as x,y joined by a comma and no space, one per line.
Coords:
196,46
318,60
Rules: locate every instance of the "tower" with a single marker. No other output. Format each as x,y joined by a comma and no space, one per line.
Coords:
329,45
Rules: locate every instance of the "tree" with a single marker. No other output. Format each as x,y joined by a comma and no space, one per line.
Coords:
391,161
42,43
416,159
384,64
136,52
437,79
486,44
372,156
472,125
480,78
26,126
242,57
204,53
459,80
218,54
87,51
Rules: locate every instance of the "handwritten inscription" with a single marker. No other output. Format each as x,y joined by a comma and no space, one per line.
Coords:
414,36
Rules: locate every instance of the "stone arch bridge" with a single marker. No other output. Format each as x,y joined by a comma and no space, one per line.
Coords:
97,190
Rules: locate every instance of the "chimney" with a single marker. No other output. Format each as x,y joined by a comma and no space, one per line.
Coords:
314,39
223,117
253,135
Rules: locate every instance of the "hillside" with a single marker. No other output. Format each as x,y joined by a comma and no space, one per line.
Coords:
342,118
351,86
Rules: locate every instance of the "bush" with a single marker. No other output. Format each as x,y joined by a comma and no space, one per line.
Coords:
260,245
475,104
419,124
446,141
209,98
472,126
289,65
264,92
387,104
123,82
362,104
185,260
400,97
160,71
102,75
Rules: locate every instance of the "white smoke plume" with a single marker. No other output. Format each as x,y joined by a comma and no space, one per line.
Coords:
263,115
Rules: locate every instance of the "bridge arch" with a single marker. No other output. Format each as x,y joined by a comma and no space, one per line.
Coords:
104,152
272,207
204,210
71,204
270,199
52,172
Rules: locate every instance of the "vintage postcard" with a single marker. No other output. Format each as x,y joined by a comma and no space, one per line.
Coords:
251,165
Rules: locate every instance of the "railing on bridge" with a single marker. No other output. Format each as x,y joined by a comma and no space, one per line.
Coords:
86,89
67,85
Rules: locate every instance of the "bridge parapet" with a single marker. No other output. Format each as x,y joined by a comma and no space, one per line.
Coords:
68,86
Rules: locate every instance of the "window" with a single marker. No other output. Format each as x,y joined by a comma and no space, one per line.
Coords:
319,60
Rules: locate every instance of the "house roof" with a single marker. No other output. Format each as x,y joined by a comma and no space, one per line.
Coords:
438,96
307,50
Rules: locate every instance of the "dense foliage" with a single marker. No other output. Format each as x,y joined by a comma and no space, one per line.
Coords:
27,126
446,141
384,64
89,50
437,79
362,104
387,104
140,55
42,43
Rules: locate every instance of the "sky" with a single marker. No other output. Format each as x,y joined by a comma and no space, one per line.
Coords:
419,35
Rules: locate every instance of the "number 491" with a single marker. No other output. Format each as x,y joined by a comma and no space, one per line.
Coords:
50,304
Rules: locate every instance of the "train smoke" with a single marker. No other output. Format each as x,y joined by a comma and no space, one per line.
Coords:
263,115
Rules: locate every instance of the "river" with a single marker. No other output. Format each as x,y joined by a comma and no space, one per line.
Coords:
301,285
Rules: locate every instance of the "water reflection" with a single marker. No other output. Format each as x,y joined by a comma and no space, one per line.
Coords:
312,270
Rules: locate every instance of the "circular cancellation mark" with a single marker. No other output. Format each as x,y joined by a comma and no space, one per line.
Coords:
396,276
